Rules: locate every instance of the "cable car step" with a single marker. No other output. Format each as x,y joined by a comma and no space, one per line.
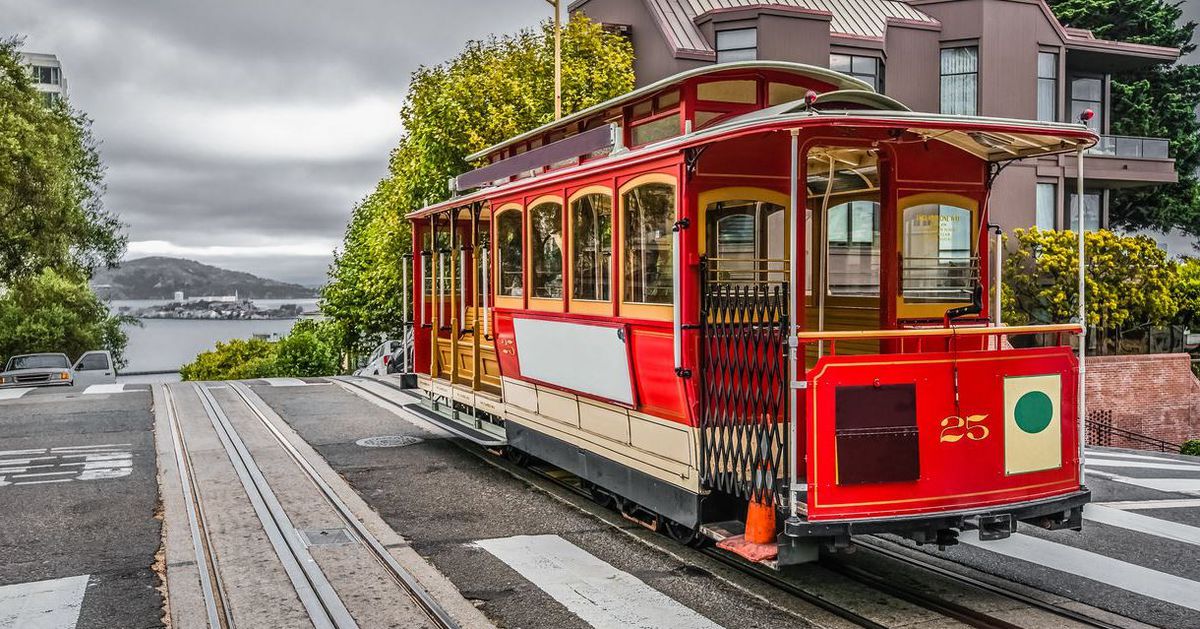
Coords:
731,536
460,428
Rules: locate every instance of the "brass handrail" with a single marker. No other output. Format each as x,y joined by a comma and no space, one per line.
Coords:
936,332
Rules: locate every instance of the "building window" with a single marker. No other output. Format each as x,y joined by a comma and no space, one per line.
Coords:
545,250
591,247
869,69
1047,205
1087,92
46,75
737,45
1047,87
508,253
1092,203
648,216
960,80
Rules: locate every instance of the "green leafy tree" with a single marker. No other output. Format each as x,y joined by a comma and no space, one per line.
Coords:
1160,101
48,312
494,89
1186,292
306,352
51,181
1129,279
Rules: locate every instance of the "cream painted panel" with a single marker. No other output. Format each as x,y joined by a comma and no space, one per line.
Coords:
521,395
443,388
672,443
558,407
489,405
466,397
604,422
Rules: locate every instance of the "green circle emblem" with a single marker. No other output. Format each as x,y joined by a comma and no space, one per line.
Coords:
1033,412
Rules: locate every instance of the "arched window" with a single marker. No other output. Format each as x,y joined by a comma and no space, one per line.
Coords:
648,214
545,250
937,251
591,247
509,279
746,241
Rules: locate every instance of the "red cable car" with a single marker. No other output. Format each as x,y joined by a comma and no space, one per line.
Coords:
754,290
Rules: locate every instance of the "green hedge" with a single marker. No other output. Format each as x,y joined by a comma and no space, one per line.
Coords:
309,350
1191,446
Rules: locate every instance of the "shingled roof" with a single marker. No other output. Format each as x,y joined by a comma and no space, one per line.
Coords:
851,18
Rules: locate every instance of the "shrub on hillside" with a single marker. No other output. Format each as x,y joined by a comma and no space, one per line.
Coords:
304,353
1191,446
233,360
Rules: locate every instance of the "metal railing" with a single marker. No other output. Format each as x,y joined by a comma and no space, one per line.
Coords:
1128,146
1101,432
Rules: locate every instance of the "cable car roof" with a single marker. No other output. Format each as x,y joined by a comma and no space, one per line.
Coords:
989,139
837,79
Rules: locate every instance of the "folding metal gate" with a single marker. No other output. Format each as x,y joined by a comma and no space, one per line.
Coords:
743,382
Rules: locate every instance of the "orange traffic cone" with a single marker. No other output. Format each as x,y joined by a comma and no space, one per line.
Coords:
760,523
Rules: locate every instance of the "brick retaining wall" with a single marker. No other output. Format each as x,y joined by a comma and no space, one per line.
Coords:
1155,395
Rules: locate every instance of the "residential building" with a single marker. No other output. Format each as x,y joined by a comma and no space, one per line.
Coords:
47,75
1001,58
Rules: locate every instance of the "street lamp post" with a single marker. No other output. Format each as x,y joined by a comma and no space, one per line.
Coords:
557,4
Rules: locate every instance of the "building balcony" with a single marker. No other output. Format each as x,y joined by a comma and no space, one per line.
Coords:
1132,147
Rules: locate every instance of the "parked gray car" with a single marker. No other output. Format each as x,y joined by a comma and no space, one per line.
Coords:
37,370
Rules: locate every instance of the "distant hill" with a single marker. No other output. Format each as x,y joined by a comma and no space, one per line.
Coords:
159,278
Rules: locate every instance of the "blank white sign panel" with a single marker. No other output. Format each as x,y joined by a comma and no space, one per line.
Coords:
586,358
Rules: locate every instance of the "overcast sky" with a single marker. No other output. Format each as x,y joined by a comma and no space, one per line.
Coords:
241,132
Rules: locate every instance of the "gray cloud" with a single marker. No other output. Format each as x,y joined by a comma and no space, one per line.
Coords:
242,133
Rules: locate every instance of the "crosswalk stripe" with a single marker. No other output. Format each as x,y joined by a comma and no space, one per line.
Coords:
286,382
1092,462
1114,572
590,588
96,389
12,394
50,604
1090,454
1128,505
1170,485
1142,523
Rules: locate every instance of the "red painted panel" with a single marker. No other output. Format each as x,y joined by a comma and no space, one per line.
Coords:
955,474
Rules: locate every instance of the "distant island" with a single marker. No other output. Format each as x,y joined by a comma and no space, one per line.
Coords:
241,309
162,277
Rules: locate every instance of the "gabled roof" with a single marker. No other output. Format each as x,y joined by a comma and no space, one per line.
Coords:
863,19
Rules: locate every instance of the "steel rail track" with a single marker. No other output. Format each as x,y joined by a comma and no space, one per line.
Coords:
1058,610
212,589
402,576
914,596
325,609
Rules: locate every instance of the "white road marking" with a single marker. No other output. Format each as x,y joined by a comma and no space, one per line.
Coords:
286,382
1143,465
1142,523
12,394
1090,454
93,462
598,593
1114,572
104,388
15,452
52,604
1171,485
1131,505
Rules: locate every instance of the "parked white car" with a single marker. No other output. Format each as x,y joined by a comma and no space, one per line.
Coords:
381,360
94,368
37,370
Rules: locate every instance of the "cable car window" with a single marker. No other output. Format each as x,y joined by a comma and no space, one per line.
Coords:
938,265
655,130
545,255
746,242
854,253
591,247
648,215
510,280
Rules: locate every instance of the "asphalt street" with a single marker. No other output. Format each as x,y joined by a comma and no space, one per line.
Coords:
78,498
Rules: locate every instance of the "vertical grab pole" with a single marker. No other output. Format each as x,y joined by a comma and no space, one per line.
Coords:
487,276
676,297
462,291
404,310
421,289
792,342
999,277
441,292
1081,394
